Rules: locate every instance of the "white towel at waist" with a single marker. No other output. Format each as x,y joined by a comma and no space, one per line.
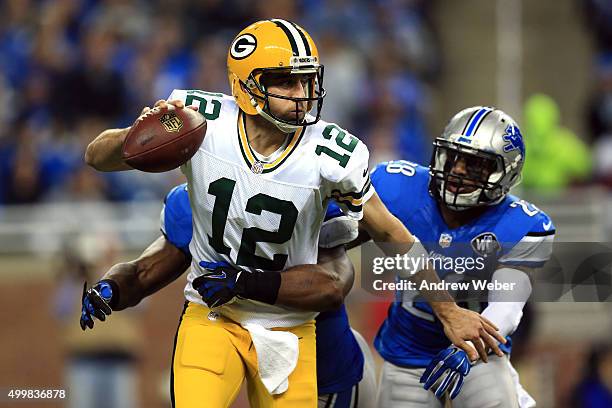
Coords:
277,356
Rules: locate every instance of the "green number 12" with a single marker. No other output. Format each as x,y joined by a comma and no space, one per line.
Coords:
340,136
223,189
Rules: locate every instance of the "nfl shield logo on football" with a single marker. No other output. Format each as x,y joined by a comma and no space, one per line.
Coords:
257,167
171,122
445,240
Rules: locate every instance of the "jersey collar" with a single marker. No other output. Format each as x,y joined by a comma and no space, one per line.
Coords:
249,155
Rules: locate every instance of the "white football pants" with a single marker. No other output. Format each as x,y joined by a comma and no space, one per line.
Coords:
492,384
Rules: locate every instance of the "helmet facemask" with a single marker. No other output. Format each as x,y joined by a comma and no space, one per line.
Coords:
260,96
463,177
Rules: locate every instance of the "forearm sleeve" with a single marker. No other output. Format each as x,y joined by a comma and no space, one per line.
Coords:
505,308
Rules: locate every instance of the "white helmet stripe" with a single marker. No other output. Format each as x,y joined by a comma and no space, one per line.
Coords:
294,35
306,43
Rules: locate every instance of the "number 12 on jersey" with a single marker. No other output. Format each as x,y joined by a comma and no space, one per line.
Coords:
223,190
349,146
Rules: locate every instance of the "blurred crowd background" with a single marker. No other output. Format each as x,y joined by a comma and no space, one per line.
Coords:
395,71
69,68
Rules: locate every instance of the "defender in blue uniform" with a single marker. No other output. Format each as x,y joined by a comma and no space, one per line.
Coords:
460,207
344,378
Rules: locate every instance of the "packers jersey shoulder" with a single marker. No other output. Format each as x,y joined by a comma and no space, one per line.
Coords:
212,105
342,160
335,149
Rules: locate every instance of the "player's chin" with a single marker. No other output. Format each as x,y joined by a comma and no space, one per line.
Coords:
294,116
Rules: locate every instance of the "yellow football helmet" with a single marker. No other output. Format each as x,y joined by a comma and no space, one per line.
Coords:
270,46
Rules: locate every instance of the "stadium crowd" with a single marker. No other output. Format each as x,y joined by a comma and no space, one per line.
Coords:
69,68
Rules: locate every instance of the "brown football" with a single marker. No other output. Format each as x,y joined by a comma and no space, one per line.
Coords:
163,140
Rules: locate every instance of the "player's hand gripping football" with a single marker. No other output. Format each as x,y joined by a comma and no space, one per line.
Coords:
446,371
220,284
163,104
96,303
463,326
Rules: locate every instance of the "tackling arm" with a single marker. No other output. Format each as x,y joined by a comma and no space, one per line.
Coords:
309,287
313,287
460,325
158,266
127,283
318,287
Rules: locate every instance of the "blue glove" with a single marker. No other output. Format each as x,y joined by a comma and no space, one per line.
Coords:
451,364
220,284
96,302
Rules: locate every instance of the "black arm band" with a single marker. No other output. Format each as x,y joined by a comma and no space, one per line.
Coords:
260,286
115,298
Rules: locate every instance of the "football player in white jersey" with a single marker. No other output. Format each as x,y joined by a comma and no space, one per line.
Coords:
259,186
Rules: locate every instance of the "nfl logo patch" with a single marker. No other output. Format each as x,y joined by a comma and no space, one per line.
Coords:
171,122
445,240
257,167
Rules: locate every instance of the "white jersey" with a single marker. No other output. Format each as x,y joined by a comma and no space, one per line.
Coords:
265,214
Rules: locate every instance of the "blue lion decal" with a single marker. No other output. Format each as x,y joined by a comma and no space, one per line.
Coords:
514,139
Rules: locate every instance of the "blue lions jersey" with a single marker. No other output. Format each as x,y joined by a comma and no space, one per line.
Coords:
511,233
339,358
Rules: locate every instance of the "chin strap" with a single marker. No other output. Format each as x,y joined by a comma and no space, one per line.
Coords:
283,127
462,201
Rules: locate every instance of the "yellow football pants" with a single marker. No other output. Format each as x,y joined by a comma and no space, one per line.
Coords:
212,357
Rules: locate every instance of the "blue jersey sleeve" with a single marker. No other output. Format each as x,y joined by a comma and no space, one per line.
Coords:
176,224
542,226
401,185
531,233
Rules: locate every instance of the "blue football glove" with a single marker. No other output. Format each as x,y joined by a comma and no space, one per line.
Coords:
220,284
96,302
449,366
